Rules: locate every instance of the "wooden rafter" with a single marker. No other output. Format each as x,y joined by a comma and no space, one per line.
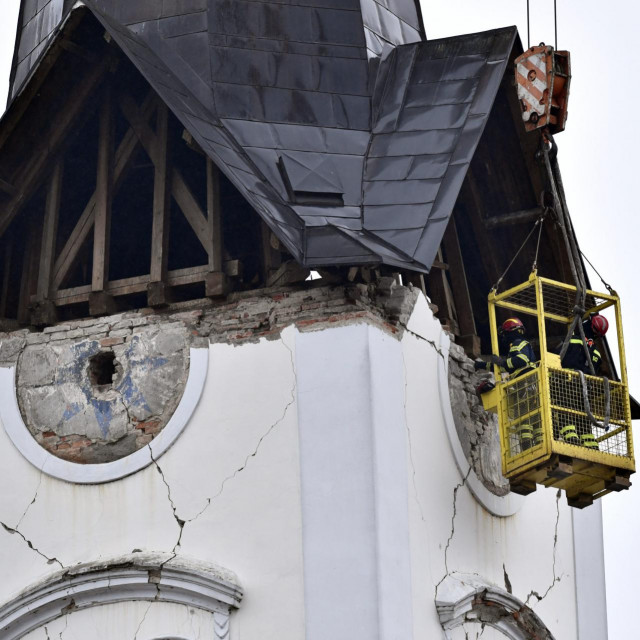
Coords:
127,286
161,197
157,291
460,290
442,296
50,231
214,217
104,196
29,273
29,178
179,188
84,225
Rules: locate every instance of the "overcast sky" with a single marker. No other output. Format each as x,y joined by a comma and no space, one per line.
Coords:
597,155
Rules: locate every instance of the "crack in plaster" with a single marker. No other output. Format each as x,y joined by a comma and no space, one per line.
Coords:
179,521
556,579
253,454
46,632
406,422
430,342
453,527
135,637
49,560
66,624
507,582
35,497
182,523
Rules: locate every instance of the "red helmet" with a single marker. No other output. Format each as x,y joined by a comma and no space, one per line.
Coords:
599,325
512,324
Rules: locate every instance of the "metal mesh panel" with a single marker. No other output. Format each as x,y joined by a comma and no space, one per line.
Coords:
557,301
571,422
522,418
525,298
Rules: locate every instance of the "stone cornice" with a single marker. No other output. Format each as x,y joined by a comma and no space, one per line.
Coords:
156,577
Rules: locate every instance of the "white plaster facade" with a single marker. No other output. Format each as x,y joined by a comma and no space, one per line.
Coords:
317,483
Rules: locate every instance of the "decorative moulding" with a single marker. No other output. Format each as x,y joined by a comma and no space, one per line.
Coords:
16,429
157,577
423,324
470,598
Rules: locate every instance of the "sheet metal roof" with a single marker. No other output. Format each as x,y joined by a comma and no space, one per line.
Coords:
351,146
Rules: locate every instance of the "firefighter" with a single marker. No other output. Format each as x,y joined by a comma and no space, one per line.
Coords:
519,359
575,358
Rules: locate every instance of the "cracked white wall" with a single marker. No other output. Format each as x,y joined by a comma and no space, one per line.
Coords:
233,478
529,553
318,469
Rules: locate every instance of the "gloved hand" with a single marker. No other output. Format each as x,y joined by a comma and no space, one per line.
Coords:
499,360
480,365
484,387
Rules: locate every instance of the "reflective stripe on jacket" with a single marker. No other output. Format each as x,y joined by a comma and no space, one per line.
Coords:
575,357
520,358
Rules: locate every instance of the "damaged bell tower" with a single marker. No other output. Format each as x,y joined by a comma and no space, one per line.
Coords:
245,251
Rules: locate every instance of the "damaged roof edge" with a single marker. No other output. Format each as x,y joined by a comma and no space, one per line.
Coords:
392,229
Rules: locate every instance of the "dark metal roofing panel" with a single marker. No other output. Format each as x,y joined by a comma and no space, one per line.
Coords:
390,22
282,98
423,144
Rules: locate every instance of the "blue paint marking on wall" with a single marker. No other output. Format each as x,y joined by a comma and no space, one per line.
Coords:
104,414
72,410
130,394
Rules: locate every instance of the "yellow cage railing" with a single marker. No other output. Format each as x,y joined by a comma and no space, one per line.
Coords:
559,427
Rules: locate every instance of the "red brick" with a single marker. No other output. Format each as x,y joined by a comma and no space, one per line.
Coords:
110,342
81,443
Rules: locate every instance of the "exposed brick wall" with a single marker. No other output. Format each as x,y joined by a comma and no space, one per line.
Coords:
477,428
55,361
73,416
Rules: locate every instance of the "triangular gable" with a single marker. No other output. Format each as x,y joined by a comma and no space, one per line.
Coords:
423,144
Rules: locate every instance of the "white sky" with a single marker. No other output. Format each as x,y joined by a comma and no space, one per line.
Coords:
597,156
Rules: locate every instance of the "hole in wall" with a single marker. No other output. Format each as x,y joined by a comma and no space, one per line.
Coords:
102,368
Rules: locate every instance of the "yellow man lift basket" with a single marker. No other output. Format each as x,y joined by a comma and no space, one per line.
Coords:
548,415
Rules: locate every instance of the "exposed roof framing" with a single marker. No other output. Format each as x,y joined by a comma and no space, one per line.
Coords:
279,95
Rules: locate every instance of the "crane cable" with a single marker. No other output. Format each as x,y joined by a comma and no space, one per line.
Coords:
504,273
573,252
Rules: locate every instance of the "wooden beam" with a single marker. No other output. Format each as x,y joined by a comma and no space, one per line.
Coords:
30,176
123,158
189,206
484,240
179,188
440,293
27,279
271,259
157,293
104,195
288,273
214,217
516,217
460,288
79,51
127,286
7,187
50,231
